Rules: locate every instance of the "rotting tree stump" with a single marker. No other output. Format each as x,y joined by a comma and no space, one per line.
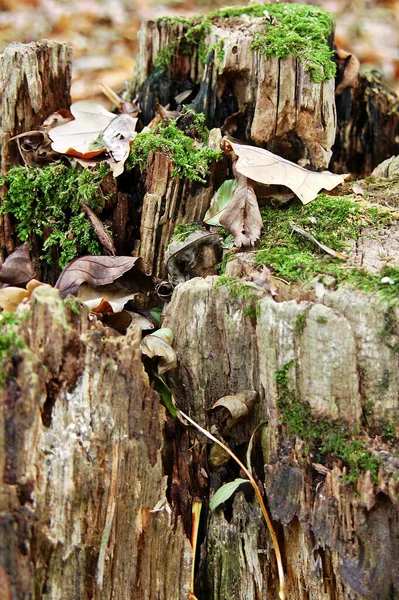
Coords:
97,481
267,101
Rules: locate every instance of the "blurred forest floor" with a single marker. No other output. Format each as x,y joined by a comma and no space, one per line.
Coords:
103,33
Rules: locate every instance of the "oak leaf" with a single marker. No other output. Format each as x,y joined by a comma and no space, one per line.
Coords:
265,167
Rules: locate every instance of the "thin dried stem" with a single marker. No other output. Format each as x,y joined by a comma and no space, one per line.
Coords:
258,494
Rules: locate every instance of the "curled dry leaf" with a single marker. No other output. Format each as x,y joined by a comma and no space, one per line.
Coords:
242,217
116,138
159,345
104,298
265,279
11,297
182,256
238,405
98,226
310,237
78,137
125,272
35,148
350,66
17,269
268,168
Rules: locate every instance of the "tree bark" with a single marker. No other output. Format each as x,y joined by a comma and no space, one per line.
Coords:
83,507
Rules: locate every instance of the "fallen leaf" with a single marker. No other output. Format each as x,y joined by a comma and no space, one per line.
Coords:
98,226
77,137
350,66
35,148
119,321
10,297
180,98
94,297
264,279
61,117
268,168
357,189
238,405
116,138
220,200
159,345
225,492
310,237
242,217
17,269
126,272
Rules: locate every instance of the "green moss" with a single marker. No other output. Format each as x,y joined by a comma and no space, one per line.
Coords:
289,29
10,341
181,232
324,439
189,161
390,330
322,320
300,323
333,221
73,304
51,197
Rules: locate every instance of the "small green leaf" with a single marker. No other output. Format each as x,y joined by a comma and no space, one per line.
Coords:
225,492
166,395
219,202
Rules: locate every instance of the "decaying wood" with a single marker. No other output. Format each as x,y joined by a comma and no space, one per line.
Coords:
337,541
272,101
35,81
367,127
168,202
83,507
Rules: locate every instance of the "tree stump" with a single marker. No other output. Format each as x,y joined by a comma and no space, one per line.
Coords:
35,81
267,101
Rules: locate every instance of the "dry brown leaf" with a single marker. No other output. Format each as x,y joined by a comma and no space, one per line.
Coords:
238,405
117,138
357,189
98,226
265,279
159,345
61,117
125,272
11,296
310,237
268,168
241,217
77,138
35,148
94,297
350,65
17,269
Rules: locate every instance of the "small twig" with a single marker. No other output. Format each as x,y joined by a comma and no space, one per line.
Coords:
258,495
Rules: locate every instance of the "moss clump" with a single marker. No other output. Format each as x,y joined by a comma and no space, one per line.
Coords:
289,29
51,197
10,341
325,440
181,232
189,161
300,323
333,221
